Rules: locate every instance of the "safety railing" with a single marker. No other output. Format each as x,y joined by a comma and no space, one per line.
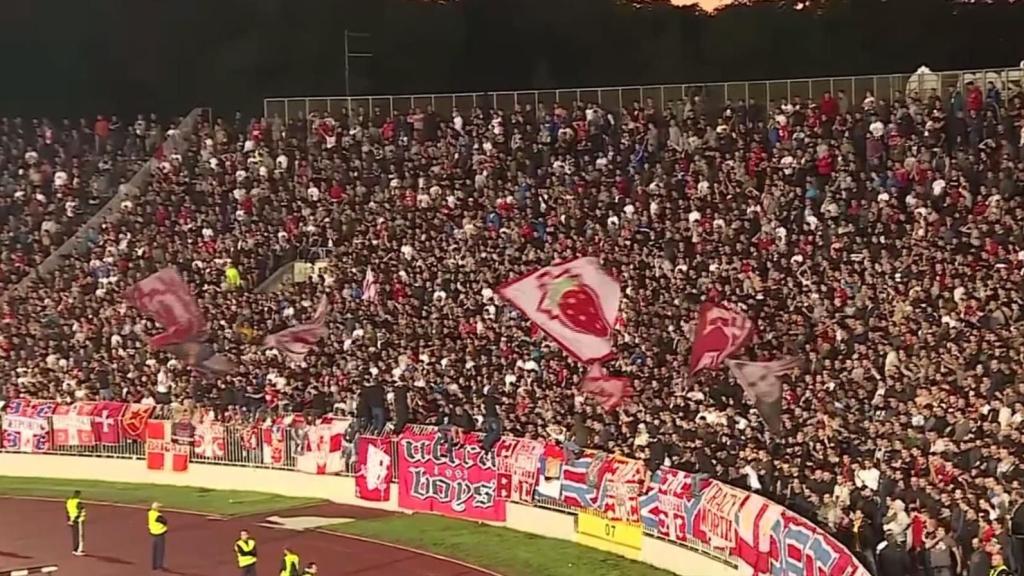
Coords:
684,509
713,95
244,445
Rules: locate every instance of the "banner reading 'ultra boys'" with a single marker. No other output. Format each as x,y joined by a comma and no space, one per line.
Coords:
458,480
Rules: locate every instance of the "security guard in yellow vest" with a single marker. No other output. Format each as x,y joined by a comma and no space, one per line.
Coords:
290,563
76,520
998,567
245,550
157,524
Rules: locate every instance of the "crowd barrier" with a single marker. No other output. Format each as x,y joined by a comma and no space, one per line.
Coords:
686,523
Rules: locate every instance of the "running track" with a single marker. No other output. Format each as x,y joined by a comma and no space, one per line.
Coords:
35,532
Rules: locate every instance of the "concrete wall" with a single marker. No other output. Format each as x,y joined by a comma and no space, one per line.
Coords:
341,489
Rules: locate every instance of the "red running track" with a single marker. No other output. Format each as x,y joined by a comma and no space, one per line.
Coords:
35,532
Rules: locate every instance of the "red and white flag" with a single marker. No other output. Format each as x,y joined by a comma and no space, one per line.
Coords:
760,381
274,440
720,332
609,391
166,298
324,447
24,433
370,286
575,303
106,422
161,452
373,472
297,341
74,428
209,440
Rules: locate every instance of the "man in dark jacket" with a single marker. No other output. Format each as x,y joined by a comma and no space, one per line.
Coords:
893,560
863,539
979,563
373,394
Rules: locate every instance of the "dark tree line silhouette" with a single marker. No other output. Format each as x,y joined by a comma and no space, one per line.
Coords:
71,56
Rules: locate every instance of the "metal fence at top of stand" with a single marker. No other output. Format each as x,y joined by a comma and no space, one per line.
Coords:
714,95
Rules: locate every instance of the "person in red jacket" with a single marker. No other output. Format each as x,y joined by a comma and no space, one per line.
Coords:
975,98
829,106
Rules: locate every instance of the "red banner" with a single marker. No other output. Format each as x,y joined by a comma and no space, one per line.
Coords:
134,419
454,479
373,469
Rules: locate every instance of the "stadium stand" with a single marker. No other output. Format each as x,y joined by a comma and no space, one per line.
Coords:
879,240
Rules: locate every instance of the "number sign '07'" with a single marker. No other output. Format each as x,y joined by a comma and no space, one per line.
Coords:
609,535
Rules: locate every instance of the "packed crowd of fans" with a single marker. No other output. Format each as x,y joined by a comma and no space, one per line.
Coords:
881,241
54,176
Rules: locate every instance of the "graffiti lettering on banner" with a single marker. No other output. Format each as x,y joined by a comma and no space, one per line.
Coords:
613,536
373,469
622,490
768,539
438,475
526,469
721,507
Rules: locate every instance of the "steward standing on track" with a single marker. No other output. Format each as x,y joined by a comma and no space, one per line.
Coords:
245,549
157,524
76,519
290,565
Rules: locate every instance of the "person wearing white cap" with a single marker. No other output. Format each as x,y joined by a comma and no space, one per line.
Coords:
157,524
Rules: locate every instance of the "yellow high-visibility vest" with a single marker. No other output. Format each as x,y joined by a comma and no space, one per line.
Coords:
233,277
246,552
290,561
156,528
74,515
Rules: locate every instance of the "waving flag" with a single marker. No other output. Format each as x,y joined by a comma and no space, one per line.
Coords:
297,341
719,334
201,357
575,303
370,286
609,391
166,298
760,381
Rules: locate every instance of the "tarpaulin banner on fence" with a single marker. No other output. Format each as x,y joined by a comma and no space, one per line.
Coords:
25,433
161,452
373,469
605,484
767,538
454,479
322,452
